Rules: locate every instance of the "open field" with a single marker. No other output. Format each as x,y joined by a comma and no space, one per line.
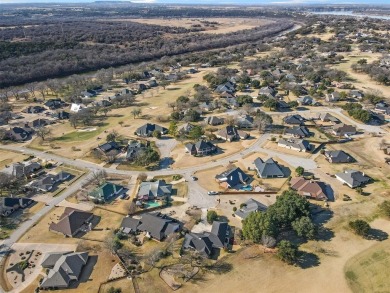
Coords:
221,26
7,158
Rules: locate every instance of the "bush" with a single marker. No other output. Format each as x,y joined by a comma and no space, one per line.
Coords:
211,216
287,252
242,205
23,265
234,209
273,138
360,227
384,209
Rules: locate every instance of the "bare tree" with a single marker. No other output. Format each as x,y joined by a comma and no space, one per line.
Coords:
99,177
43,132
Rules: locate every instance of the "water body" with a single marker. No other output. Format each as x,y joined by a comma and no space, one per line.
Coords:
350,13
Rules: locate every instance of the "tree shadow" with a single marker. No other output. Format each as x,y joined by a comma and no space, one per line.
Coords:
86,272
307,260
376,234
324,234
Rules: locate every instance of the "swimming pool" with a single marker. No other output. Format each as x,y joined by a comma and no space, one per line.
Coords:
247,188
152,204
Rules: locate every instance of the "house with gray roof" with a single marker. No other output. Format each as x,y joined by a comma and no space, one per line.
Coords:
185,128
201,148
294,120
156,190
338,157
106,192
63,269
49,181
134,148
299,145
232,178
298,131
353,178
245,121
326,117
250,206
156,225
267,91
71,222
268,168
206,243
108,149
231,133
343,129
25,169
8,205
148,129
213,120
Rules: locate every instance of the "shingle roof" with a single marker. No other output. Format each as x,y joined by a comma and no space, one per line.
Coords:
310,188
70,221
269,168
300,131
106,191
251,206
338,156
233,177
353,178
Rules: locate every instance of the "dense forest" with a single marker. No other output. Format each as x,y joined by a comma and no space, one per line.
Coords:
33,51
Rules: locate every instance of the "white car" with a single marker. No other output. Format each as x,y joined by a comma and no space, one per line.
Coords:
212,192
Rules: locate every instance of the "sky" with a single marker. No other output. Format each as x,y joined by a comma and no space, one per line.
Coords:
243,2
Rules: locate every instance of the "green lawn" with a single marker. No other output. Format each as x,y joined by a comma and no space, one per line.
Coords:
78,135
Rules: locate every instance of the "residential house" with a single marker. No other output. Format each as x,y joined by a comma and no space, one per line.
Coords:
268,168
344,129
245,121
353,178
213,120
201,148
206,243
326,117
8,205
134,148
19,134
25,169
356,94
54,104
34,109
156,190
185,128
62,115
228,87
309,188
88,94
75,108
152,83
294,120
299,145
250,206
37,123
63,269
71,222
267,91
48,182
332,97
305,100
156,225
148,129
232,178
338,157
108,149
106,192
206,106
298,131
231,133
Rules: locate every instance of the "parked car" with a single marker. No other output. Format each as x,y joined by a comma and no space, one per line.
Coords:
194,178
212,192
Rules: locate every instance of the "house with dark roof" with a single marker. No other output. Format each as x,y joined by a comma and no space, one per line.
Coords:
231,133
108,149
232,178
299,145
206,243
63,269
71,222
309,188
213,120
148,129
25,169
267,91
305,100
34,109
8,205
134,148
338,157
268,168
48,182
297,131
343,129
245,121
156,225
19,133
156,190
353,178
356,94
294,120
250,206
37,123
53,104
201,148
106,192
62,115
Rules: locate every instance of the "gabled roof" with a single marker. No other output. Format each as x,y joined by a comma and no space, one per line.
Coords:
310,188
300,131
148,128
251,206
353,178
111,146
269,168
105,191
300,144
294,119
338,157
70,221
213,120
233,177
154,189
200,145
343,128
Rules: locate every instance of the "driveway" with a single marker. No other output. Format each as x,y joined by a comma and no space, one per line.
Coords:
165,146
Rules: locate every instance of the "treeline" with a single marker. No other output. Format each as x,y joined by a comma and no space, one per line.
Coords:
88,56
